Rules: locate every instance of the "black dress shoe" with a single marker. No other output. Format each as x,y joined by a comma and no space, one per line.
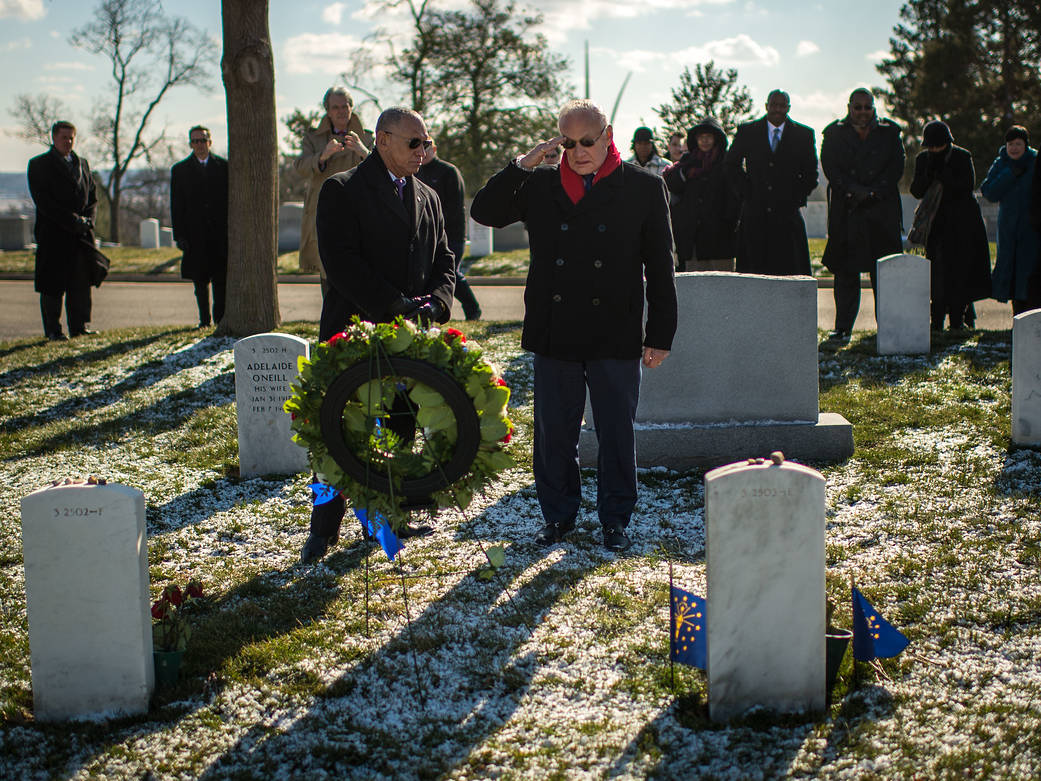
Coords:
552,533
84,332
616,540
57,337
414,531
839,336
315,547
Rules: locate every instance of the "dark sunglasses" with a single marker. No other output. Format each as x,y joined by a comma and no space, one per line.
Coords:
862,106
413,143
570,143
198,140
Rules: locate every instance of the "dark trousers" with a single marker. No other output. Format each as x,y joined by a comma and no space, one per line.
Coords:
947,300
560,396
77,310
202,298
464,294
847,298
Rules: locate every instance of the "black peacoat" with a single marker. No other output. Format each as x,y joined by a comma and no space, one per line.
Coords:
376,248
865,218
958,237
199,209
773,186
585,290
705,208
66,203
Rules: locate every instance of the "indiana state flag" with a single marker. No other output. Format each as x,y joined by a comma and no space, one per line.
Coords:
688,638
873,636
381,530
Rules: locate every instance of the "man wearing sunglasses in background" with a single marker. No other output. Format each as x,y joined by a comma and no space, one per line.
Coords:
382,241
598,228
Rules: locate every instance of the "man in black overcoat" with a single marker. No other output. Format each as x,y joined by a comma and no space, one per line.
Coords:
447,181
382,241
772,164
600,241
63,190
199,208
863,159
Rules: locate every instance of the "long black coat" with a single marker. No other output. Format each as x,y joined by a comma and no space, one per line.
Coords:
585,289
865,217
773,187
447,181
1035,201
958,237
199,209
64,196
705,209
376,248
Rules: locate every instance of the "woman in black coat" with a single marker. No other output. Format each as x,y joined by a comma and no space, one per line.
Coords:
705,208
957,242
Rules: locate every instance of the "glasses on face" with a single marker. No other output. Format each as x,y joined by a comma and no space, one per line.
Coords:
414,143
570,143
199,140
862,106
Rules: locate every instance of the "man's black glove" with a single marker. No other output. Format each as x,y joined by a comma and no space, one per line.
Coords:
403,306
427,312
83,226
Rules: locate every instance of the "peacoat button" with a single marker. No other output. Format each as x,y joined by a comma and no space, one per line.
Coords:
601,228
768,210
563,227
560,261
597,263
596,302
556,298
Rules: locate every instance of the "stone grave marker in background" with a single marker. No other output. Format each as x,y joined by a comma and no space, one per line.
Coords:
166,237
290,221
764,553
902,305
741,380
86,583
1026,378
265,367
149,230
481,241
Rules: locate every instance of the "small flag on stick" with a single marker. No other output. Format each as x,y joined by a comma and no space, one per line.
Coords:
384,535
873,636
688,636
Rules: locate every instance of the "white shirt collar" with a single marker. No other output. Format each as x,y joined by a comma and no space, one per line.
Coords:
204,160
774,127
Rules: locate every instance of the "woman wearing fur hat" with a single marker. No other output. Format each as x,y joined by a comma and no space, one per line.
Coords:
1017,273
957,242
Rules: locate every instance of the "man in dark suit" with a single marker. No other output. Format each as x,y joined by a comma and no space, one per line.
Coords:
772,164
382,241
63,190
199,208
447,181
599,227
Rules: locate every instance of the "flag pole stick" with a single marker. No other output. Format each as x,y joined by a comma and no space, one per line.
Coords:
672,621
856,676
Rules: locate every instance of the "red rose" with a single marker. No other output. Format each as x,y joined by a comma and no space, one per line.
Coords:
337,337
500,382
454,333
507,438
172,594
159,610
193,589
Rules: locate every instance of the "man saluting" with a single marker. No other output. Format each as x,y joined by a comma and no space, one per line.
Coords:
598,227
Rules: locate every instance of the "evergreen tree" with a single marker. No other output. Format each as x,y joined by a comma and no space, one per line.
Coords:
708,92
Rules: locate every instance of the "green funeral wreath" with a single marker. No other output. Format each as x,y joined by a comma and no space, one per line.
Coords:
346,394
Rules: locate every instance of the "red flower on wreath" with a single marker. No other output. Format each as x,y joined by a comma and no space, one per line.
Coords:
159,610
337,337
500,382
454,333
509,433
172,594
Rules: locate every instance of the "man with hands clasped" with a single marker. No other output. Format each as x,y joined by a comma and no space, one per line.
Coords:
598,229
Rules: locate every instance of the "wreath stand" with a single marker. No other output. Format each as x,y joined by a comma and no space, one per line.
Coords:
415,492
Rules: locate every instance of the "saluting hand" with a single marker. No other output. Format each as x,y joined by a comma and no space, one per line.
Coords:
538,154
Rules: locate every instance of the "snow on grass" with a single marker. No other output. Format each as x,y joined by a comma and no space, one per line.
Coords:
558,665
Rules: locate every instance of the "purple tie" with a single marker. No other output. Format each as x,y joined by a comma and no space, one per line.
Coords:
400,184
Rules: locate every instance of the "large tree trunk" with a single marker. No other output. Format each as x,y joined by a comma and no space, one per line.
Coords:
249,82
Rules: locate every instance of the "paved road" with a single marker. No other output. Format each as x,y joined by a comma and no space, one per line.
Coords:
124,304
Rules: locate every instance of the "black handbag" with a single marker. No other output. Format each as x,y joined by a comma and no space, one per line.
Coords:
924,214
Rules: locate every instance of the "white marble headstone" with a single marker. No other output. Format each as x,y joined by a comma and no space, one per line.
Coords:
265,367
764,550
166,238
902,305
149,233
86,582
1026,378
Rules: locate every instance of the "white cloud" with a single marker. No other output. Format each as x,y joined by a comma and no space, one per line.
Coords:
806,48
67,66
319,52
21,43
22,9
876,56
739,50
333,14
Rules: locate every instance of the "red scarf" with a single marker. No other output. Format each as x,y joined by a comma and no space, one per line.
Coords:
572,182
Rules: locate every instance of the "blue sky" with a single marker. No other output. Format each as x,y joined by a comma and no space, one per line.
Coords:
816,51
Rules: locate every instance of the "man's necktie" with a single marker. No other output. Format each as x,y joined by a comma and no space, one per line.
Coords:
400,184
775,139
587,180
